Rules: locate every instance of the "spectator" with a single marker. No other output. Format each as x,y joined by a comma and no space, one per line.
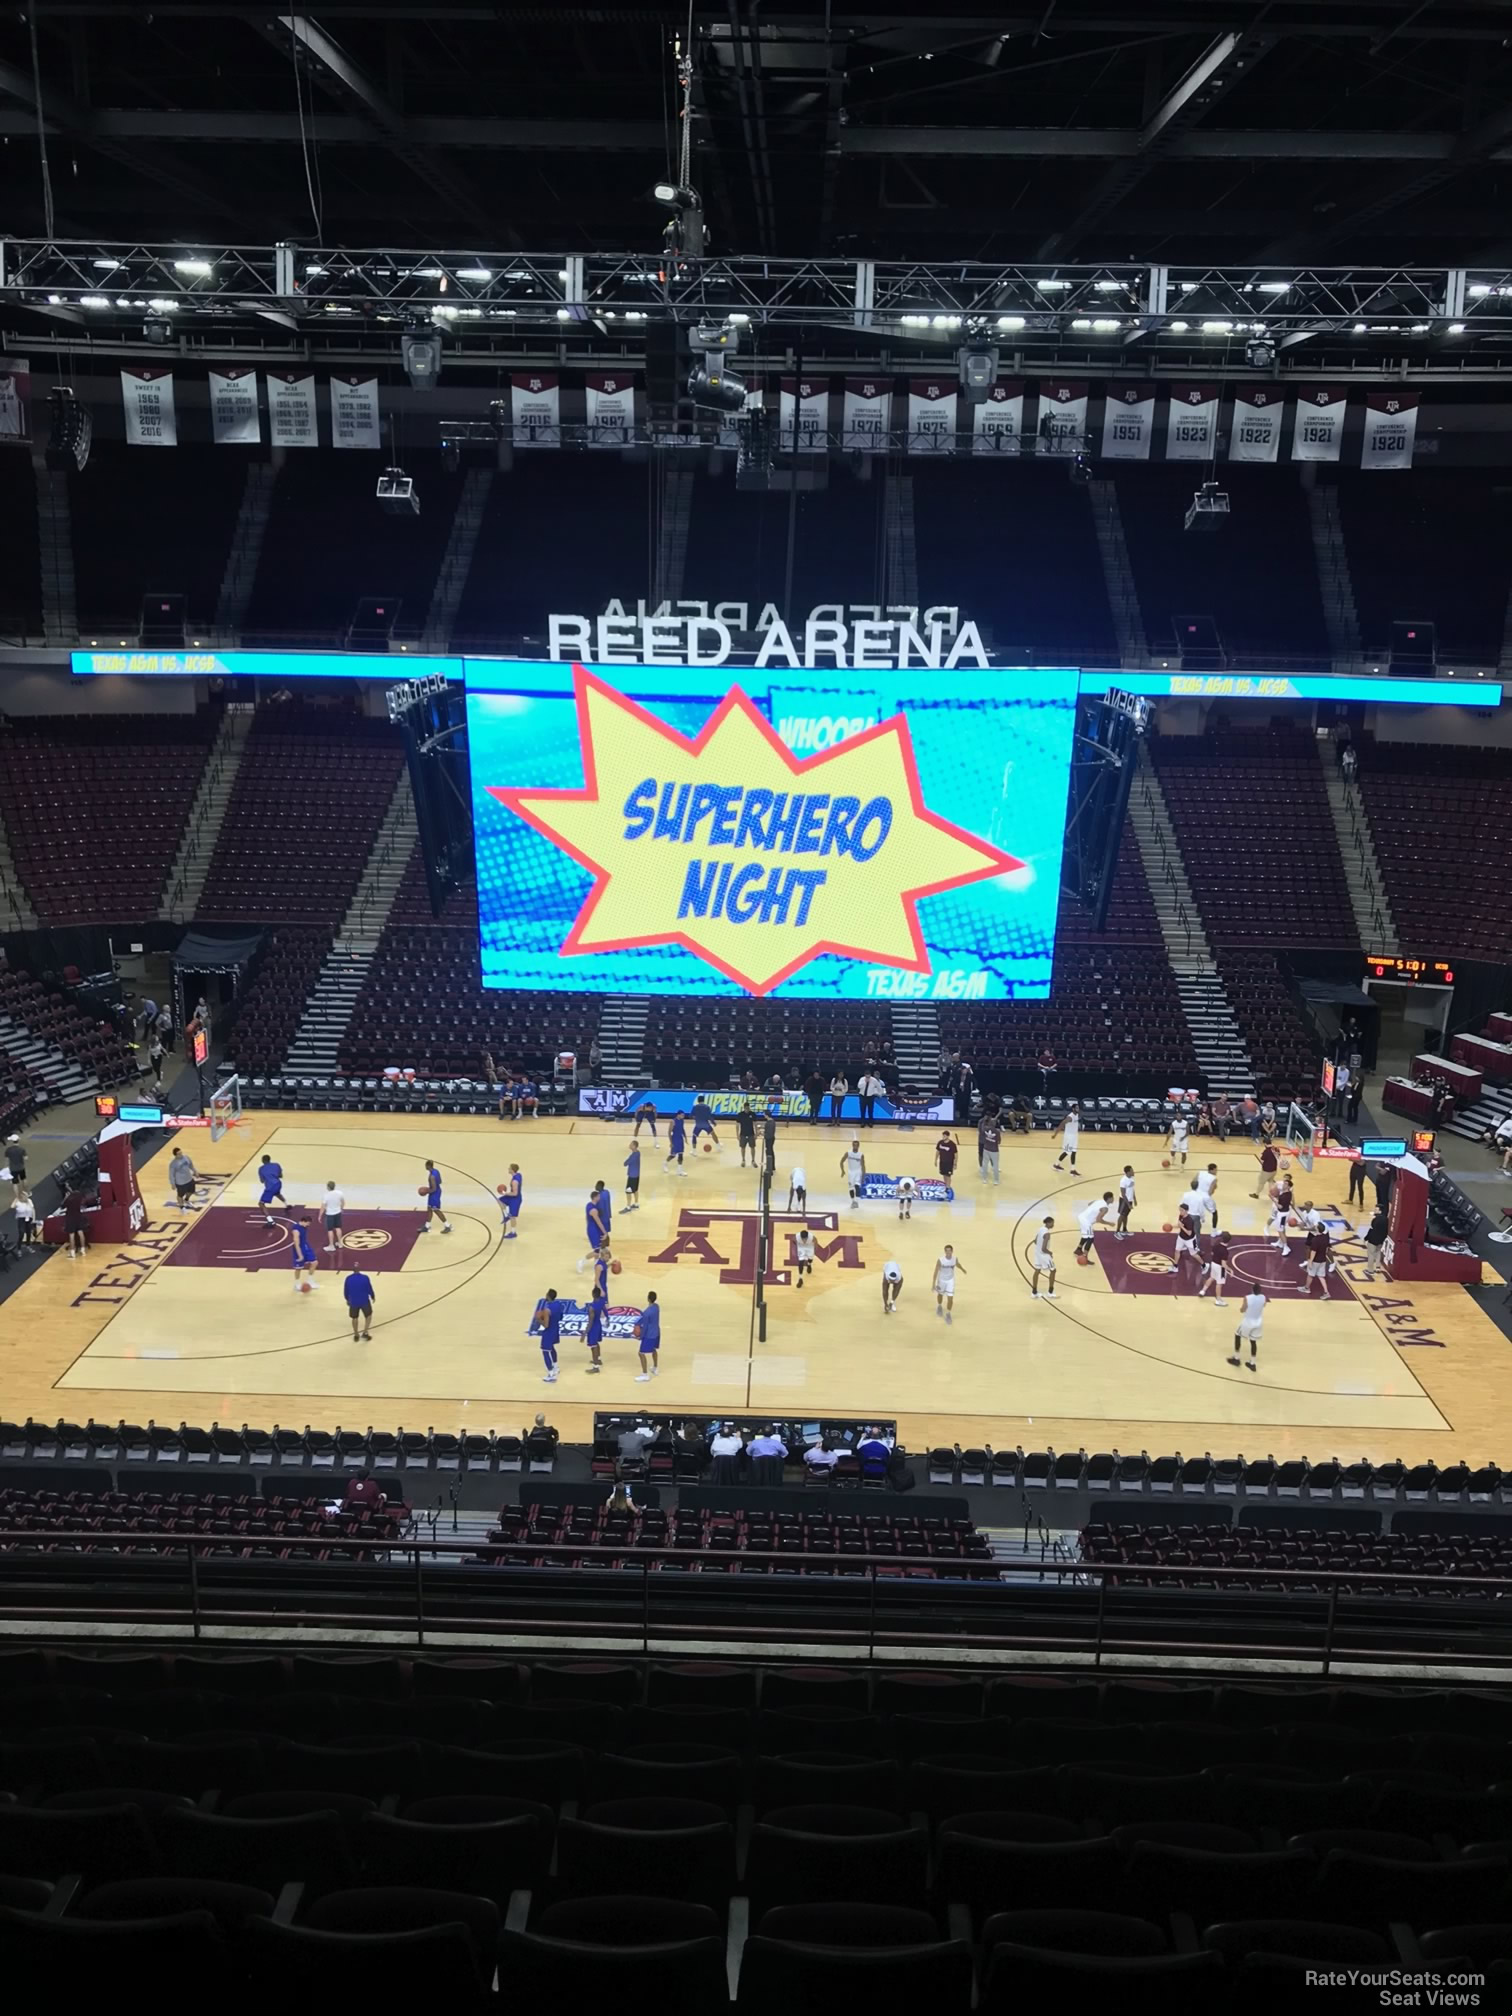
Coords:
74,1235
155,1056
358,1289
726,1447
899,1476
813,1091
541,1440
595,1059
1501,1138
820,1457
635,1436
1342,1081
149,1015
873,1452
181,1174
768,1454
363,1494
948,1062
964,1087
989,1141
839,1086
870,1090
165,1028
15,1158
1349,762
620,1500
1222,1115
1356,1088
1019,1116
1249,1116
1375,1240
26,1216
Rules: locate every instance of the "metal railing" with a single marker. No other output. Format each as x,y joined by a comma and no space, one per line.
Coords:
1084,1613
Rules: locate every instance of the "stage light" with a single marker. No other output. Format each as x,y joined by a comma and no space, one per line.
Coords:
420,350
397,494
1275,286
1081,468
1208,510
714,338
714,389
1456,329
1180,328
977,363
106,265
158,329
70,429
199,267
94,300
1260,353
1010,321
684,234
479,273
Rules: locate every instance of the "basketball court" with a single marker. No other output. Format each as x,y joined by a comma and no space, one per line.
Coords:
196,1316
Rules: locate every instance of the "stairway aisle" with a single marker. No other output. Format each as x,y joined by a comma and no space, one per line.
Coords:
622,1040
1222,1059
202,829
916,1044
328,1013
61,1073
1362,870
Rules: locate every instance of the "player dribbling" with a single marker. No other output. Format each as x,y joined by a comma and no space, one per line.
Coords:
803,1253
1187,1224
511,1197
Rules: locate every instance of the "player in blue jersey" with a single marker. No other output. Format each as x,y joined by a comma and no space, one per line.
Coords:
703,1121
603,1262
646,1114
270,1175
547,1322
511,1197
677,1140
432,1195
648,1334
304,1256
595,1228
593,1337
632,1177
605,1204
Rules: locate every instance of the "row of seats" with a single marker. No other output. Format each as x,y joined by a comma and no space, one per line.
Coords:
323,1450
269,1012
91,1043
1441,824
1430,1557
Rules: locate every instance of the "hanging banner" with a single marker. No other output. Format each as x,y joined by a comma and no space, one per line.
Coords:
233,406
1256,433
354,410
1318,429
866,414
610,397
1390,429
147,392
997,425
1128,425
1192,423
15,399
811,396
931,416
1062,425
291,409
536,408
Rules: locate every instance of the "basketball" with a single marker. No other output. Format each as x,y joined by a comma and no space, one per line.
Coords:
1167,1228
708,1147
304,1287
614,1266
422,1190
500,1190
1165,1161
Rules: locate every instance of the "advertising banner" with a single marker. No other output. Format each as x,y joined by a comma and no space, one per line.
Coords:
623,1102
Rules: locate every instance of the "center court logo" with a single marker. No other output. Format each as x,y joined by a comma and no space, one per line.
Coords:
731,1241
366,1239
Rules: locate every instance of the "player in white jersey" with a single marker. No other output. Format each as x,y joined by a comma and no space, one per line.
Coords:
1070,1138
1180,1130
1251,1317
853,1169
1192,1201
1043,1262
907,1191
892,1286
798,1191
1126,1201
333,1204
1279,1221
1088,1219
803,1252
1206,1187
945,1282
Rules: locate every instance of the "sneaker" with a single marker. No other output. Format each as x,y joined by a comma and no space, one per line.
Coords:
446,1228
1219,1303
1233,1360
939,1311
1051,1296
425,1228
1250,1361
641,1378
595,1368
581,1265
549,1379
948,1317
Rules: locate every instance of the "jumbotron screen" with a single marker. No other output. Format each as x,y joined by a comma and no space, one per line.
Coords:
674,829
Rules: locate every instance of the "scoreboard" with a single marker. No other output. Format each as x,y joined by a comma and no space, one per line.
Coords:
1392,966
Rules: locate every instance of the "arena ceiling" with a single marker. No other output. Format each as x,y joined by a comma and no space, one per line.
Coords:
1318,131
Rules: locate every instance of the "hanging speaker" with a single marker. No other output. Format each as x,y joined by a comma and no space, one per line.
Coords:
70,429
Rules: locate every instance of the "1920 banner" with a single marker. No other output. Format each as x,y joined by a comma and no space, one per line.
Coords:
1390,429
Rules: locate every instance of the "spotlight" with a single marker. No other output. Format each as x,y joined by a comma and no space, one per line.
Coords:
420,351
684,233
1260,353
397,494
158,329
70,429
713,389
977,360
715,338
1208,510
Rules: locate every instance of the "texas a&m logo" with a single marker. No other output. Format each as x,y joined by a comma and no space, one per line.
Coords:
731,1241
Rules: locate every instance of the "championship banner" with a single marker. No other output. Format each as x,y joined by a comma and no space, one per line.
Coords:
15,399
867,404
931,416
536,409
1128,423
233,406
1256,433
147,394
354,410
1062,428
1318,429
291,409
610,397
1192,423
997,425
1390,429
812,399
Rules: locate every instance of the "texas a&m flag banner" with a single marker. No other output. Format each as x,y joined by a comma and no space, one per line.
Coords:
1256,433
997,425
536,409
1128,422
1390,429
1192,423
1318,429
